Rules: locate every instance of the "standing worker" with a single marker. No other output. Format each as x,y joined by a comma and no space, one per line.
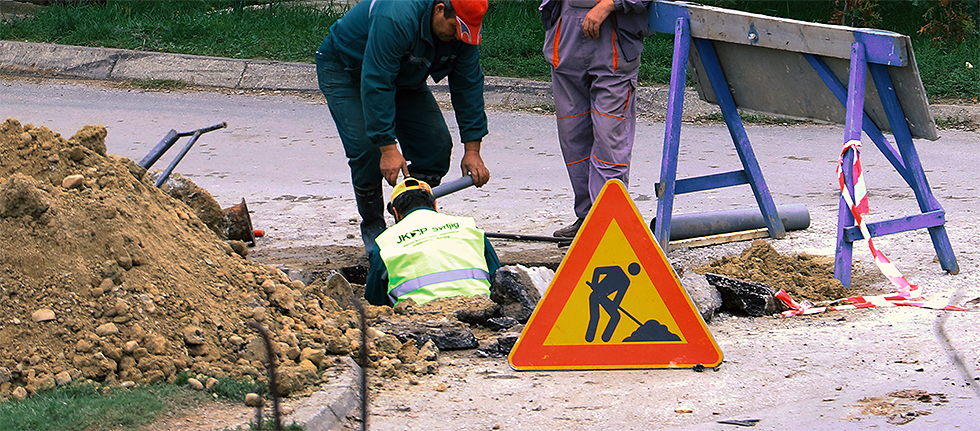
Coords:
594,49
427,255
372,69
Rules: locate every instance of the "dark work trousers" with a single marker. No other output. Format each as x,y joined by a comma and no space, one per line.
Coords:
420,128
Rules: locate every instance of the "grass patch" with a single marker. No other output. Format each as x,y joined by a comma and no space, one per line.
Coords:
159,84
87,406
513,35
716,117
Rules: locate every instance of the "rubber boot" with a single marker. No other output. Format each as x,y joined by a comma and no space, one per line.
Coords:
371,208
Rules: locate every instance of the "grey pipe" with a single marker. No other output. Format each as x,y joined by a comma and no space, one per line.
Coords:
452,186
695,225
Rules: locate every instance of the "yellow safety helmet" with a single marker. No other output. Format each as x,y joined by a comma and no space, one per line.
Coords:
409,184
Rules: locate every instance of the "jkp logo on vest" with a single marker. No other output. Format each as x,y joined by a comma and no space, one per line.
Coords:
422,231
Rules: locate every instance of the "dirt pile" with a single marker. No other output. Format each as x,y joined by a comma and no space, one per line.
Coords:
803,276
107,278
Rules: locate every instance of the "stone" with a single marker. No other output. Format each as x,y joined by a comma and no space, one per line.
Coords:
748,297
269,286
292,379
498,323
20,393
43,315
706,297
131,347
338,288
210,383
514,289
4,375
73,181
193,335
253,400
195,384
156,344
478,310
445,335
316,356
107,329
21,196
500,347
63,378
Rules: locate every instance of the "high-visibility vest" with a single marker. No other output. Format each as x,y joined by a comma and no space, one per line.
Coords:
431,255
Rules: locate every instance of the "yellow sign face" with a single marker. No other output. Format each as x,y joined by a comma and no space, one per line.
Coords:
640,297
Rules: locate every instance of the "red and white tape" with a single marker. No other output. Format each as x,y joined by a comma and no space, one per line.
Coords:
908,294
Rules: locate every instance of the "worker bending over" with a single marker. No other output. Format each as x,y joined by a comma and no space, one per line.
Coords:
372,69
427,255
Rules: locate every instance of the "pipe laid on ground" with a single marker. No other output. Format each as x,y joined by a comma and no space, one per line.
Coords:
694,225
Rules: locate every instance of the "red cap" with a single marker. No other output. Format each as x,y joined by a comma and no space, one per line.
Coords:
469,16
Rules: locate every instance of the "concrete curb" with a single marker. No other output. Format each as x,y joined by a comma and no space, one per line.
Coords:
328,408
42,59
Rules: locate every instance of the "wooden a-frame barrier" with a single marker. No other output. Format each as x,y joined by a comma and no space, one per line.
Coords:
811,53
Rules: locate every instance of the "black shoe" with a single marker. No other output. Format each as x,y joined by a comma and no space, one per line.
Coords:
570,230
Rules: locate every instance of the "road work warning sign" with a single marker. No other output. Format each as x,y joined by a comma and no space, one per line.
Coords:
615,302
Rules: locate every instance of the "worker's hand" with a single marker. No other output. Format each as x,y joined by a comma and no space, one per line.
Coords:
593,20
393,163
472,164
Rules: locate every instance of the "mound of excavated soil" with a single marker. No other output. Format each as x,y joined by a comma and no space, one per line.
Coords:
803,276
107,278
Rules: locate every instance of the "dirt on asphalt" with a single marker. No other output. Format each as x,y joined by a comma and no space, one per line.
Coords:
109,279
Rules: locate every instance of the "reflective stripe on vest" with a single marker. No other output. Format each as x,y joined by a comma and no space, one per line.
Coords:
439,277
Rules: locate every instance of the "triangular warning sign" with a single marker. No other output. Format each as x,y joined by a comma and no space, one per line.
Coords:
615,302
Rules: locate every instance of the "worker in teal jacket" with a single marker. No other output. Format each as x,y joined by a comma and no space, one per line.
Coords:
372,69
427,255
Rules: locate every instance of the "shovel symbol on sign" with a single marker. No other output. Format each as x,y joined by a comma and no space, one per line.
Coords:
609,280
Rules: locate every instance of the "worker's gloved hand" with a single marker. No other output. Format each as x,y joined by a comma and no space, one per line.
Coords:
393,163
473,165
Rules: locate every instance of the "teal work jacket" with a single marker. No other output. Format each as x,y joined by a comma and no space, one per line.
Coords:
390,44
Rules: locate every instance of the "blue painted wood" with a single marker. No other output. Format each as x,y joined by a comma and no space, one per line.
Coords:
737,130
910,156
879,47
664,16
874,133
852,131
672,132
893,226
709,182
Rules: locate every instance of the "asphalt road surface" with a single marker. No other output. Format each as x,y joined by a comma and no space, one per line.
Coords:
282,154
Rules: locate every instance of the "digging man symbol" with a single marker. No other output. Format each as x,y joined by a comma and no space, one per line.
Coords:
607,280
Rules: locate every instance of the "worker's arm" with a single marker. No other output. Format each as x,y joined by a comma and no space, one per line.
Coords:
466,93
392,31
595,17
376,286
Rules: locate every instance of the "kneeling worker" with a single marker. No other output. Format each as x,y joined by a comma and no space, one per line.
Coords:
427,255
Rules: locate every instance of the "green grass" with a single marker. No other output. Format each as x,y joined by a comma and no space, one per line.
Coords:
513,35
86,406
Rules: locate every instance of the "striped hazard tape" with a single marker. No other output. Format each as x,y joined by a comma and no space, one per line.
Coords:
907,294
